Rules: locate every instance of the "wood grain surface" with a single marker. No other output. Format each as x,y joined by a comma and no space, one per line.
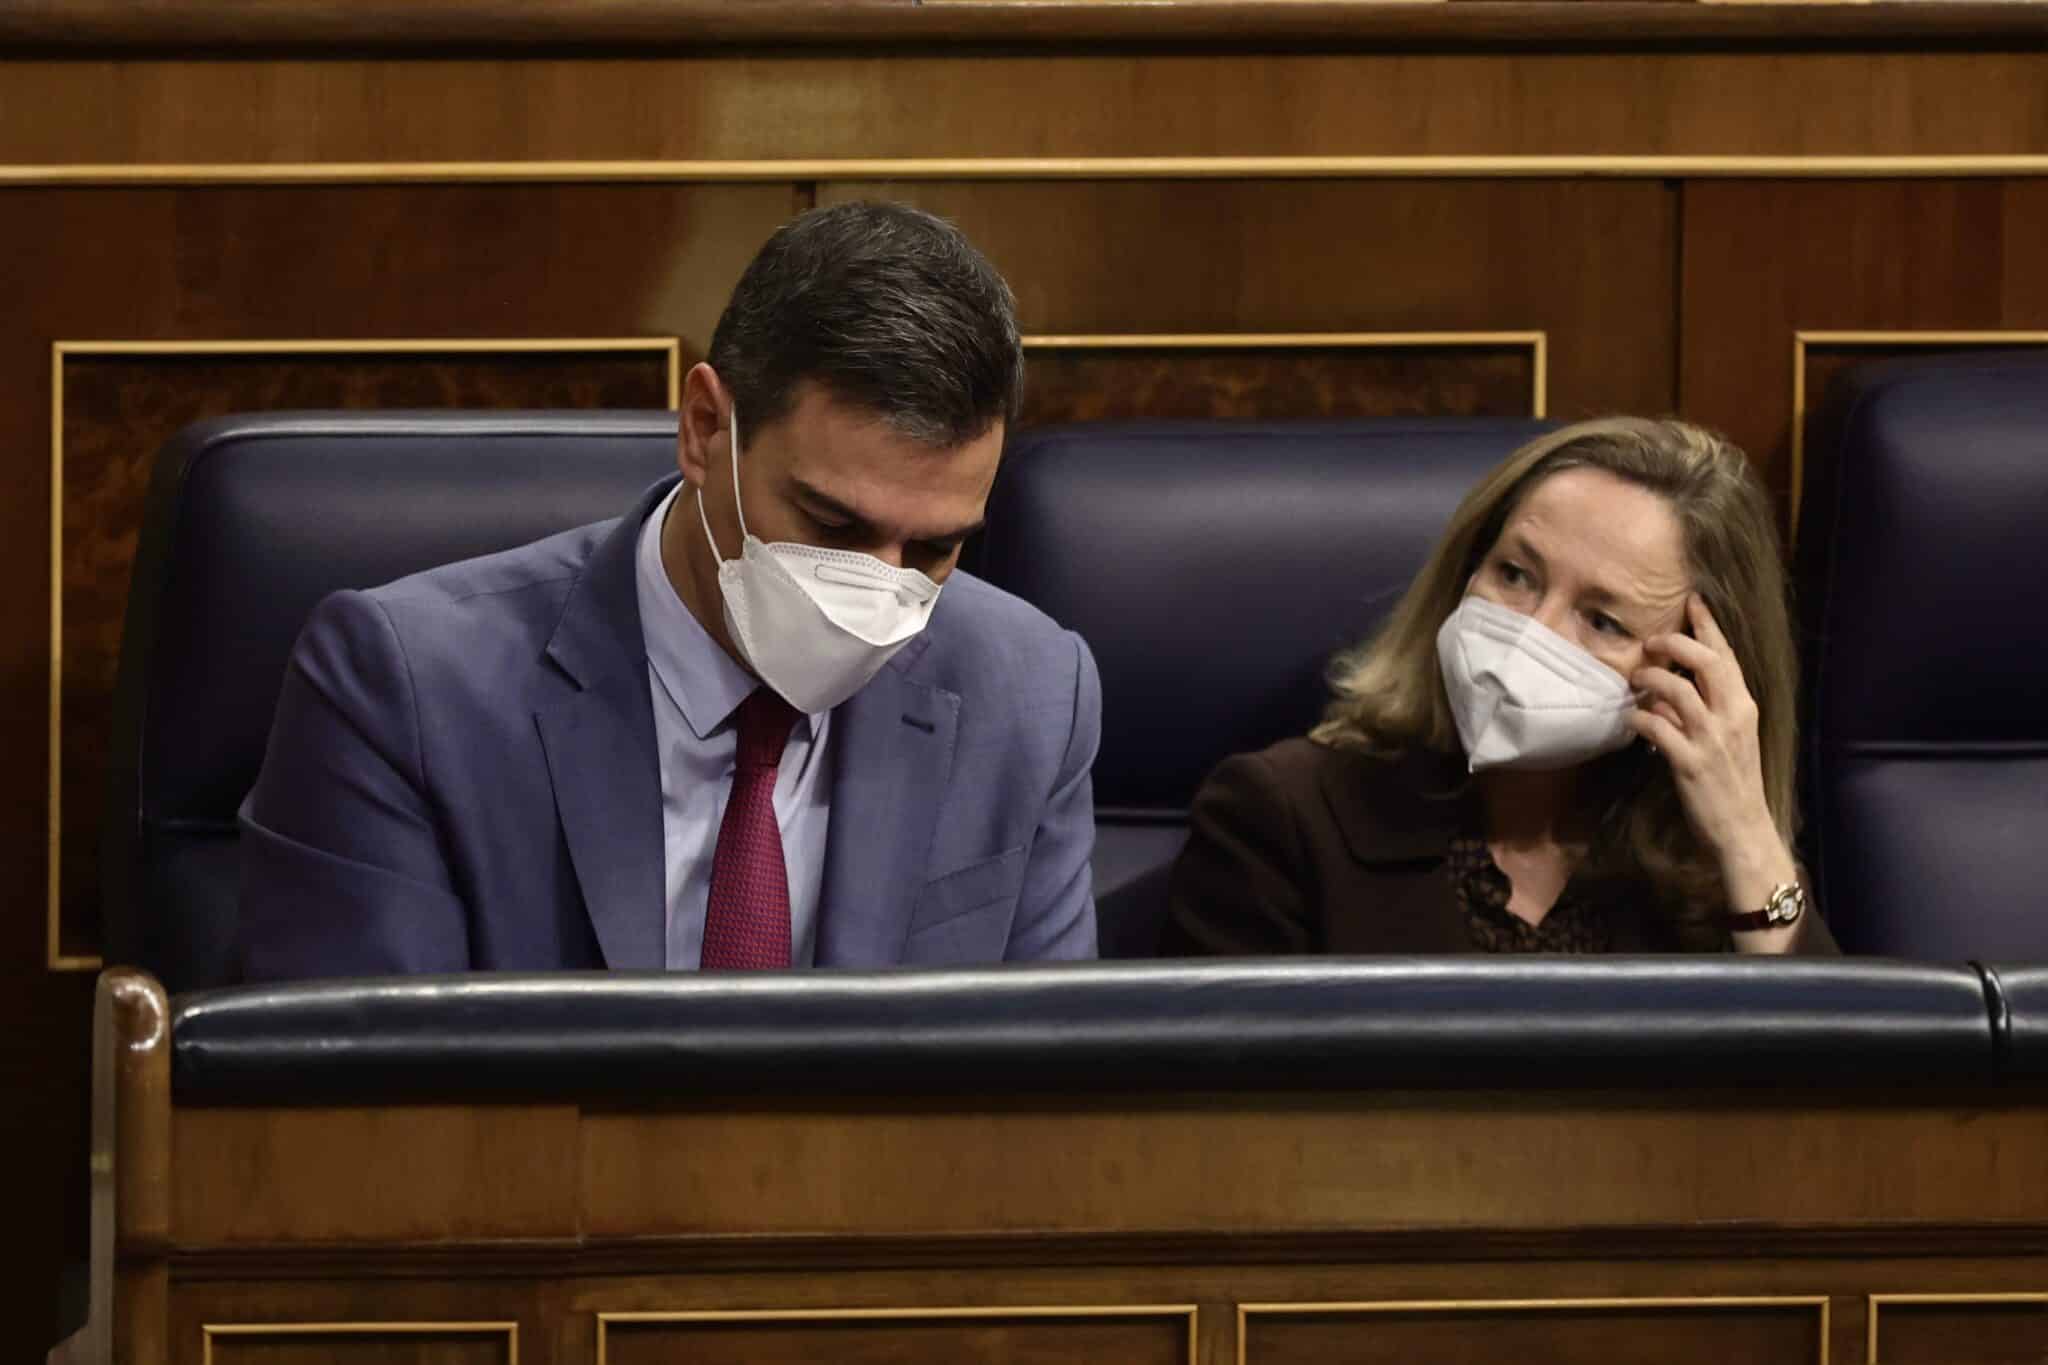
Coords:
1764,260
1377,1226
773,104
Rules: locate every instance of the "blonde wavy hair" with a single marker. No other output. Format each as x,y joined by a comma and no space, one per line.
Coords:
1389,691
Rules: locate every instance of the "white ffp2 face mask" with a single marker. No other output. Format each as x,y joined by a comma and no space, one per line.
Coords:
1524,696
814,624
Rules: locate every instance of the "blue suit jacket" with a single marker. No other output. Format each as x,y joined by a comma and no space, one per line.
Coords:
462,775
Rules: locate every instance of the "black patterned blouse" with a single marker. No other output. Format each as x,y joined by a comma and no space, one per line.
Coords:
1576,924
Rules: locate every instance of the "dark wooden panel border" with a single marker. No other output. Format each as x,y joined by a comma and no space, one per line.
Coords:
66,26
539,1257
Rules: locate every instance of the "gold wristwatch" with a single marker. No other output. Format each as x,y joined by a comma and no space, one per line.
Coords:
1786,903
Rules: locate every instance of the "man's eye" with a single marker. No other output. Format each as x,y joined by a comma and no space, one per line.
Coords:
828,526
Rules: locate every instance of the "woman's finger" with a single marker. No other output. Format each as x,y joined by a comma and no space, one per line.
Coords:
1681,696
1665,737
1707,628
1718,676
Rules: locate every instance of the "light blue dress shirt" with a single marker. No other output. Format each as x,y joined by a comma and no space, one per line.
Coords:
696,687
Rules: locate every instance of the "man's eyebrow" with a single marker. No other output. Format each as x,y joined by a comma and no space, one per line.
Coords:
824,502
955,537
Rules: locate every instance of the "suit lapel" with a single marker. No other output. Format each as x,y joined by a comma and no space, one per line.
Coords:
1398,818
1395,810
602,754
894,741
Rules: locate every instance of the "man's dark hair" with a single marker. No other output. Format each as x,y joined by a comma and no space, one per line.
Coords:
886,308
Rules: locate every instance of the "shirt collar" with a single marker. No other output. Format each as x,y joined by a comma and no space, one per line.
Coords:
702,680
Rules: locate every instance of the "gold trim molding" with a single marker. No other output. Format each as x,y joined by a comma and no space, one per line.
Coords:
210,1332
670,347
1879,1301
1538,343
1247,1311
1934,340
1188,1311
1028,168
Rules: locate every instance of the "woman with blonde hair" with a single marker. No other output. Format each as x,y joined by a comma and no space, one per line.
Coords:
1574,734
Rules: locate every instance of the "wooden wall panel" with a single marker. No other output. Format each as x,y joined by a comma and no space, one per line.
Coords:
1959,1329
385,261
1590,264
416,1319
905,1337
362,1344
415,1174
764,104
1764,260
1764,1305
1213,379
1377,1162
1613,1333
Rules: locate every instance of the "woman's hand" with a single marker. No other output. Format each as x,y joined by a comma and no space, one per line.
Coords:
1706,729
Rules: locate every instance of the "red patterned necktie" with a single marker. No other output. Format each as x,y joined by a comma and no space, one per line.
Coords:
746,920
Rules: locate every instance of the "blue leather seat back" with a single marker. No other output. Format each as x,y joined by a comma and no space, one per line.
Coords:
1921,577
250,522
1214,568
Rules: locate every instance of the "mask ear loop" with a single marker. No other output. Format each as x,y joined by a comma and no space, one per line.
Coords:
705,520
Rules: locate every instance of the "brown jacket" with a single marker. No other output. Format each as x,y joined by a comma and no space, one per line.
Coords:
1301,848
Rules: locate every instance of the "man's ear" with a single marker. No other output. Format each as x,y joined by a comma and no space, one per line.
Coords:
701,423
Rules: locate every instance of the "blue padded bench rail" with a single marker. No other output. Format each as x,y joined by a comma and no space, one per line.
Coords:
1355,1023
2019,1001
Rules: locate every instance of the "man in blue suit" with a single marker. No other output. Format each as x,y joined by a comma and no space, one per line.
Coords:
759,721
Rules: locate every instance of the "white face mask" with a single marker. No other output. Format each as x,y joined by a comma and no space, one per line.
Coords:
1523,695
814,624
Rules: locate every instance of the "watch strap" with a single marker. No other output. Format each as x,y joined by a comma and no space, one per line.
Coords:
1785,905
